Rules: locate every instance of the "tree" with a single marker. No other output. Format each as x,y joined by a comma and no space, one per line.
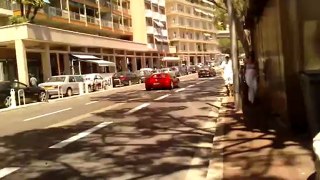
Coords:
240,8
25,17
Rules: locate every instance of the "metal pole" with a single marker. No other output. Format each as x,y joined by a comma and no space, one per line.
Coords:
234,54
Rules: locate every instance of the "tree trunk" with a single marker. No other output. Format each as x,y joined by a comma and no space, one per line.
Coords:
21,8
35,11
28,11
242,36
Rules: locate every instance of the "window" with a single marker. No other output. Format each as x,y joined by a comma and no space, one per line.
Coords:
72,79
79,79
174,34
183,35
174,20
184,47
191,36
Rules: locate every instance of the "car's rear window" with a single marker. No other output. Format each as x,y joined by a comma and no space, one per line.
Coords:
160,75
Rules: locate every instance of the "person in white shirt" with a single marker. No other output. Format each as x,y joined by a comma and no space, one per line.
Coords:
226,66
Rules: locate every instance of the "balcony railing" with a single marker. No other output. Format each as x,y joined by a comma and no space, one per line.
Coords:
5,4
106,23
127,28
116,26
55,11
90,19
74,16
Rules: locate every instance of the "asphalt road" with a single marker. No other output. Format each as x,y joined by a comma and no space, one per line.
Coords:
127,133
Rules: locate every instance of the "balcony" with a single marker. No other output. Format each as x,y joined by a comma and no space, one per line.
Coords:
149,13
156,15
55,11
106,23
163,18
5,8
162,3
164,32
127,28
154,1
150,29
91,19
150,45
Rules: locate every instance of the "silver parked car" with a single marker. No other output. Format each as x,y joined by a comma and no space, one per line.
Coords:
66,84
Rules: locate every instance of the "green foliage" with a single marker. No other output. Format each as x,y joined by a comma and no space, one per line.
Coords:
17,19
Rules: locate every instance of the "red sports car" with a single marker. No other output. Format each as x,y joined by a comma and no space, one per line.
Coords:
162,81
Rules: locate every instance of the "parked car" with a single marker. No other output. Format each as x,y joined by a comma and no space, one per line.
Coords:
143,73
193,69
95,81
162,81
31,93
206,72
125,79
66,84
176,70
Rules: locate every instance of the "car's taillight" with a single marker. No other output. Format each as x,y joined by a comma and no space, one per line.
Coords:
122,78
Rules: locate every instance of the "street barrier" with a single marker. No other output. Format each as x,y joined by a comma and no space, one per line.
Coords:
81,84
21,94
86,87
13,98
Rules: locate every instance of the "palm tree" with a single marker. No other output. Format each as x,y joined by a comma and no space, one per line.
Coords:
37,4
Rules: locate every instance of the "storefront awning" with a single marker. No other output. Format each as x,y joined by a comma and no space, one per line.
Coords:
171,59
204,13
197,10
158,23
92,59
208,2
207,34
161,39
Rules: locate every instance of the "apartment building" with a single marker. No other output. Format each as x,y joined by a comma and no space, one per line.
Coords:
191,29
150,27
65,30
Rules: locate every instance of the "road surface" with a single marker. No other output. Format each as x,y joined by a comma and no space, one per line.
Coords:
128,133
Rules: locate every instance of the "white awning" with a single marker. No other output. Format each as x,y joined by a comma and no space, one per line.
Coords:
208,2
206,34
161,39
211,15
171,59
204,13
197,10
158,23
92,59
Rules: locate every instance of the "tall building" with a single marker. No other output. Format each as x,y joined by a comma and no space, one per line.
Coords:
149,25
191,29
65,29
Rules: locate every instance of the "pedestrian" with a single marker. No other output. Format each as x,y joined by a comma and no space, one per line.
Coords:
251,79
226,66
33,80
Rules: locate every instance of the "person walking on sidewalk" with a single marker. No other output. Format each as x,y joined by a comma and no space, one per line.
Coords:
226,66
251,79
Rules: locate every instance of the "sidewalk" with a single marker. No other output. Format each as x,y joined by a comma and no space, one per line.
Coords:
255,147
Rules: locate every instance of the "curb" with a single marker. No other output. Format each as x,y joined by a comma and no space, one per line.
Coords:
215,169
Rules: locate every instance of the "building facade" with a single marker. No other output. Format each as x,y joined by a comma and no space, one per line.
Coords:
191,30
149,24
285,37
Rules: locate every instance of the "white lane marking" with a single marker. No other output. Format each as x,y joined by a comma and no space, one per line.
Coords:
8,170
192,85
137,108
43,115
162,97
79,136
75,119
179,90
213,114
92,102
200,82
159,91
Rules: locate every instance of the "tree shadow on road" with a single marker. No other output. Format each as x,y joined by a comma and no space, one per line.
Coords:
157,142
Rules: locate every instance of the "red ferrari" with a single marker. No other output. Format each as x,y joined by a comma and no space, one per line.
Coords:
161,81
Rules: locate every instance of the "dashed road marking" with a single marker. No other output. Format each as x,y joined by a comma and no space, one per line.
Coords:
79,136
192,85
47,114
8,170
77,118
137,108
92,102
179,90
162,97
